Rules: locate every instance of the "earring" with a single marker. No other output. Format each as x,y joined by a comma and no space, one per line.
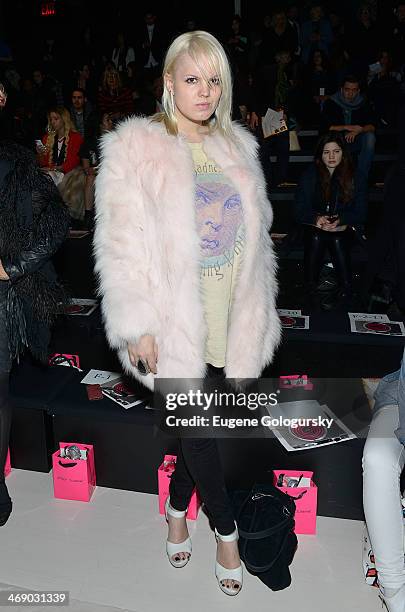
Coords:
172,100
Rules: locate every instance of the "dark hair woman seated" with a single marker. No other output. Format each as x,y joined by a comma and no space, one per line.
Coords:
331,203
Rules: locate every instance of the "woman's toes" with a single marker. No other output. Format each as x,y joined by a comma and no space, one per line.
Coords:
182,556
230,584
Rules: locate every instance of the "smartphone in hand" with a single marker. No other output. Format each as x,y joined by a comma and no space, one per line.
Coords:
41,148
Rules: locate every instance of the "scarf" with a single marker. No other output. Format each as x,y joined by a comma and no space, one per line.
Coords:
348,106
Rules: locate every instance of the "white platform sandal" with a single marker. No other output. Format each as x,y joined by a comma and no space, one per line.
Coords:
222,573
183,547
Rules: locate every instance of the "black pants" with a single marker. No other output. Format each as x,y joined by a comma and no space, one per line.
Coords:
316,243
280,146
5,406
198,465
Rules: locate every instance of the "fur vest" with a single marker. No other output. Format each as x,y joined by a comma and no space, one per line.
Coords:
147,251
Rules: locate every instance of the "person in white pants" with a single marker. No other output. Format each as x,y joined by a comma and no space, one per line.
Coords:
383,462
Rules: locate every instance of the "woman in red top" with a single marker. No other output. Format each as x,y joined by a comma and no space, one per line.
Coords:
62,143
59,156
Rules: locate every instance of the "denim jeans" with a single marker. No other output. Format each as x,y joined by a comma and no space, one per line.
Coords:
391,391
279,146
363,146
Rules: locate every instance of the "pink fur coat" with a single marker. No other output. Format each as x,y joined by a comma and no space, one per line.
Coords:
148,254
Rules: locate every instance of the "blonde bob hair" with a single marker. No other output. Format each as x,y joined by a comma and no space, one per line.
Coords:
207,52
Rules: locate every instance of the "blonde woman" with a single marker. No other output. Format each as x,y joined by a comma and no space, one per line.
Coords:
113,97
185,263
60,145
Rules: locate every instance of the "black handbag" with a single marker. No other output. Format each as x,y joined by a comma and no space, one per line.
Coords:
267,542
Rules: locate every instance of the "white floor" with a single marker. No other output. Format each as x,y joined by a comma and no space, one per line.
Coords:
109,554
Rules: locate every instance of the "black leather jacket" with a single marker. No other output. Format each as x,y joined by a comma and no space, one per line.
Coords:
33,225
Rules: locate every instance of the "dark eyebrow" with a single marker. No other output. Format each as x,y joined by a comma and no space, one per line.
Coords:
194,76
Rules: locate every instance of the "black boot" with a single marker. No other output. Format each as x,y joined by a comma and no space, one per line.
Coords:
6,505
5,424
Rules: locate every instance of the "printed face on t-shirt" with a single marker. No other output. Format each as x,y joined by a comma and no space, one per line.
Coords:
219,215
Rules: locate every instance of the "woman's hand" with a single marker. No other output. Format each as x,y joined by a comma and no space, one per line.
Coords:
321,221
324,223
253,120
145,349
41,149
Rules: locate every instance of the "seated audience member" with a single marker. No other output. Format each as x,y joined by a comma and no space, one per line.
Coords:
90,156
61,144
59,157
150,98
270,89
316,33
397,35
362,41
385,275
279,36
113,98
318,85
43,96
348,113
384,90
133,81
152,43
122,53
331,202
383,463
80,111
84,79
237,44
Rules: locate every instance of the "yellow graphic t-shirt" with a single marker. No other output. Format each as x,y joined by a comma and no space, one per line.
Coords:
221,230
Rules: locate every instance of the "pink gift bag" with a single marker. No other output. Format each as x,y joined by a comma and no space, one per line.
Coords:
305,498
7,467
295,381
165,472
74,479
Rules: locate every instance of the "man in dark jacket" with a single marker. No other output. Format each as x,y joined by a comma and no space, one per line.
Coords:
33,224
271,89
348,112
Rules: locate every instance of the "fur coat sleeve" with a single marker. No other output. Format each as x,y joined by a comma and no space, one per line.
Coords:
121,250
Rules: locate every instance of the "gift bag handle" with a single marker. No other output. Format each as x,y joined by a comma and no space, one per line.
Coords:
67,465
